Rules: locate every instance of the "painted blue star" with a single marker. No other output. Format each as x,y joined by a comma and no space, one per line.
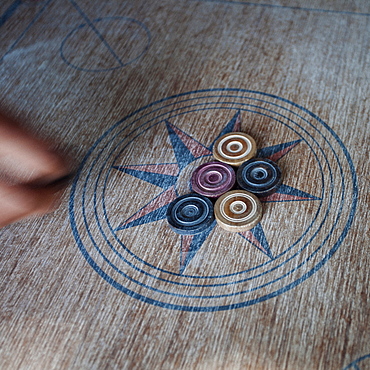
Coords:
165,176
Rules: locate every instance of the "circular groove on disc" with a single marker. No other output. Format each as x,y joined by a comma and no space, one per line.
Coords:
238,211
259,176
234,148
213,179
190,214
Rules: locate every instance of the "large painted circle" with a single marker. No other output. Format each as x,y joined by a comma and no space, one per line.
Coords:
93,218
105,44
361,363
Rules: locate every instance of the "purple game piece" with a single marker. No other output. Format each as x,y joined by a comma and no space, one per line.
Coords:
213,179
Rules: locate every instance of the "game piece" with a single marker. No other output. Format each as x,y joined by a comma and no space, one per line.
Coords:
260,176
238,211
213,179
234,148
190,214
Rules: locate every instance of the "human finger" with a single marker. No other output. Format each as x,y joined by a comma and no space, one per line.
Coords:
25,158
21,201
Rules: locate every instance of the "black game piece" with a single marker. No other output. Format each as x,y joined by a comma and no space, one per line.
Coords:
259,176
190,214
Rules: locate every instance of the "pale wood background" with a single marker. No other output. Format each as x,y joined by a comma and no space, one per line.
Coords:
56,312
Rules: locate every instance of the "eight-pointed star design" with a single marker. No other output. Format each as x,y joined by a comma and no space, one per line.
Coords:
165,175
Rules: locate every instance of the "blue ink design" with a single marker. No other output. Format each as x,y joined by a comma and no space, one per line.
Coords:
293,192
162,180
184,158
269,151
259,234
356,365
228,274
195,245
100,36
278,6
10,11
243,99
228,128
156,215
92,25
7,15
182,154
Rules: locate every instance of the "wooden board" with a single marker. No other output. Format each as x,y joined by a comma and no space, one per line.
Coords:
136,93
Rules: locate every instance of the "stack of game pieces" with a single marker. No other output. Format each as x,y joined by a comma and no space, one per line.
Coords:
236,210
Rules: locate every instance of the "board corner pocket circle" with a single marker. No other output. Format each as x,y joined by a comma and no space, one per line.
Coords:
105,44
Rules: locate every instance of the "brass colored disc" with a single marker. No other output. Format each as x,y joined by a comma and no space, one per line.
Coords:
234,148
238,211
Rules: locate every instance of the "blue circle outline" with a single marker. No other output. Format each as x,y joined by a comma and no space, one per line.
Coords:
96,20
354,363
241,304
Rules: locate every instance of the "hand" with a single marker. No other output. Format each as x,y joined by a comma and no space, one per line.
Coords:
28,174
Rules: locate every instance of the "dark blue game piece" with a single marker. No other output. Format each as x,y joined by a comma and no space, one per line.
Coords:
190,214
259,176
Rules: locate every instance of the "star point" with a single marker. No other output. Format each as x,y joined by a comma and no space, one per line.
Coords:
257,238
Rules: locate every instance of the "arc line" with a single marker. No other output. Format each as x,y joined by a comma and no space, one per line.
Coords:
34,20
91,25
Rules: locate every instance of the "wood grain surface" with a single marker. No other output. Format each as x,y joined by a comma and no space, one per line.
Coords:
135,93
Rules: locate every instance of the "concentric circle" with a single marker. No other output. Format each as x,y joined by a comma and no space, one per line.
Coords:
105,44
118,211
213,179
238,207
190,214
234,148
238,211
260,176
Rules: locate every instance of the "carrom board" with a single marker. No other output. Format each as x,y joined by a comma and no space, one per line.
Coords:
135,94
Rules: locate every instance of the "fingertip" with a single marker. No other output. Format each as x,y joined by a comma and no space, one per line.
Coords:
20,202
27,158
